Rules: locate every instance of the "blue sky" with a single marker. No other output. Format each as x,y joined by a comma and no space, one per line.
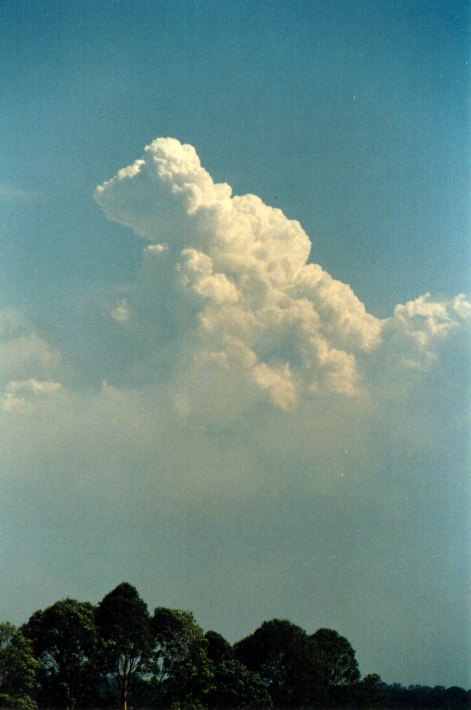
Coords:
350,117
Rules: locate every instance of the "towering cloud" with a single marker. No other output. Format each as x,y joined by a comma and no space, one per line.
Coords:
236,434
253,303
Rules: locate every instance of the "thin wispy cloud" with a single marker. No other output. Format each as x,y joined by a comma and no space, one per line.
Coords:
16,193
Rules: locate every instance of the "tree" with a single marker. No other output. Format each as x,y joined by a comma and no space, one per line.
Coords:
341,666
64,640
372,691
123,621
18,669
456,698
283,655
234,686
182,670
219,649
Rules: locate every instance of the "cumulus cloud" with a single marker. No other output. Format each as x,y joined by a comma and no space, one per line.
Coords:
254,303
247,422
17,392
22,349
426,322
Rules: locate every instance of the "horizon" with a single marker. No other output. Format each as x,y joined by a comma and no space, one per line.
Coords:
233,644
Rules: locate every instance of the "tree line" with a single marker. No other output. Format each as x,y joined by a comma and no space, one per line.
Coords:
117,655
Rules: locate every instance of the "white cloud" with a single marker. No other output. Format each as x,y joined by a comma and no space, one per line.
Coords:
147,196
414,337
278,382
253,302
426,319
33,387
251,415
156,248
22,349
18,392
196,272
121,313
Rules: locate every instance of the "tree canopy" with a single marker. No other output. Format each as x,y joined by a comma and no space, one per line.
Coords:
75,655
18,669
283,655
340,664
218,648
64,640
123,622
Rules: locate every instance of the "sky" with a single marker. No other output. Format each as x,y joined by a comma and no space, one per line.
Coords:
234,329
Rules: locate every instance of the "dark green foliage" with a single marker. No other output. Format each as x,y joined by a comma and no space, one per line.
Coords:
64,640
73,655
181,664
371,691
176,636
219,649
340,664
456,697
234,686
283,656
126,641
420,697
17,702
18,669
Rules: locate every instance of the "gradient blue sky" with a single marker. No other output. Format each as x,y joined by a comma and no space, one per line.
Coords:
351,117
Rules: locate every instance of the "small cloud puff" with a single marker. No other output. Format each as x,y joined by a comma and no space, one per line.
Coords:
419,328
23,349
121,313
258,307
18,392
156,249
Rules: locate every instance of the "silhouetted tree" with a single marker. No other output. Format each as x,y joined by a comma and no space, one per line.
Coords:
219,649
340,664
371,691
234,686
456,698
73,654
284,656
124,625
181,667
64,640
